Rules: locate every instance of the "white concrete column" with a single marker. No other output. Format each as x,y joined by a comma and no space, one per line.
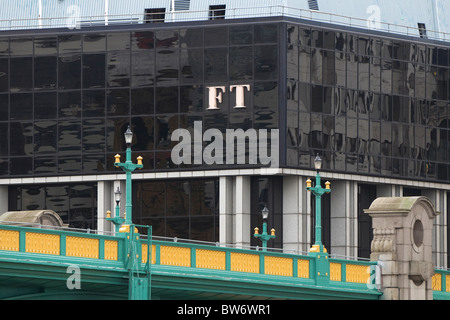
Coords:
295,215
344,218
105,202
439,200
3,199
352,200
226,186
103,205
340,227
242,197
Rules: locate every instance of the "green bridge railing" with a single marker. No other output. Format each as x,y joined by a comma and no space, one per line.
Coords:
123,250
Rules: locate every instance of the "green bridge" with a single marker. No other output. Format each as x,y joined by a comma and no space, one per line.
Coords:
39,263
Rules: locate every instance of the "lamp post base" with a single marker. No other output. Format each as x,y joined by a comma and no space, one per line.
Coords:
318,248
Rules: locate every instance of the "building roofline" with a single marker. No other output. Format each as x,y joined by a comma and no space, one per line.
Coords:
224,22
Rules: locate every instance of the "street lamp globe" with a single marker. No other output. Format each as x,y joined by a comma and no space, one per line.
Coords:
318,163
117,195
128,136
265,213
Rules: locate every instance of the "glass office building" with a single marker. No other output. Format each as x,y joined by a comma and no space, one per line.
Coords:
374,105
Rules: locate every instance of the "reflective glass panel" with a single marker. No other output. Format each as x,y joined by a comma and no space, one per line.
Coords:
4,138
45,105
45,45
191,38
118,69
93,163
304,36
329,73
21,166
266,62
191,66
4,75
45,73
266,33
94,135
265,101
191,99
69,137
21,46
94,42
292,63
240,35
375,74
305,64
4,47
167,66
167,39
144,133
386,76
143,68
69,104
352,71
69,43
216,36
93,70
94,103
69,165
4,107
363,73
164,127
118,102
21,138
216,65
21,106
166,100
115,128
118,41
45,165
45,136
142,101
142,40
241,63
21,74
69,72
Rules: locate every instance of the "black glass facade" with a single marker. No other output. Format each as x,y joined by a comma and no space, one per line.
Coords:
75,203
66,99
368,104
187,209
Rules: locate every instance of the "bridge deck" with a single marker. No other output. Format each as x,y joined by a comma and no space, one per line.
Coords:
39,263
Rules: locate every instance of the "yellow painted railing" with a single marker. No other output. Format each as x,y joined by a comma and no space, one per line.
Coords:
351,271
110,248
59,243
229,259
441,281
256,262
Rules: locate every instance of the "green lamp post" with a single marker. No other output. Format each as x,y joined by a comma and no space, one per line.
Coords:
264,236
318,192
128,166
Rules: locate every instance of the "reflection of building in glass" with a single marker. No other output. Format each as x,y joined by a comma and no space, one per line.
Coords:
373,104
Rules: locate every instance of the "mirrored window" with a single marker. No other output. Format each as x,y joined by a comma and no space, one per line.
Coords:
118,69
69,72
21,74
93,70
143,68
45,73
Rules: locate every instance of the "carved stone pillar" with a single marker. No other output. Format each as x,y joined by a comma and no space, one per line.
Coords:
402,240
